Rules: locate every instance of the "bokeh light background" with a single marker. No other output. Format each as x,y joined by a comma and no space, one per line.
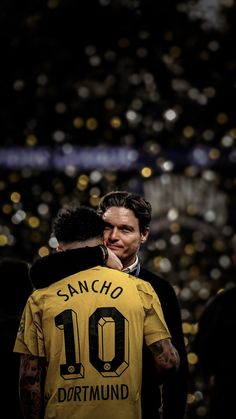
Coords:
125,94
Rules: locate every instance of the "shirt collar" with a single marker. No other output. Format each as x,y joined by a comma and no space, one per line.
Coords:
132,267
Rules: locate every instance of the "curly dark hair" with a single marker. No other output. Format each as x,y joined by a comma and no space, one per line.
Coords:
77,224
141,208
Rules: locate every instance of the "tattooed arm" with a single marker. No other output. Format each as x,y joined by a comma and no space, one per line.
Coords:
31,382
165,355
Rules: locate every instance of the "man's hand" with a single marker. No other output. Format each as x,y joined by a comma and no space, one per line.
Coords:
113,261
165,355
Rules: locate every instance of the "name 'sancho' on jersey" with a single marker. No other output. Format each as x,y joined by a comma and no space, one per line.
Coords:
95,286
91,393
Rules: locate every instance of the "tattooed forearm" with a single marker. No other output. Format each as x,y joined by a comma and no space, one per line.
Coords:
165,355
30,386
156,348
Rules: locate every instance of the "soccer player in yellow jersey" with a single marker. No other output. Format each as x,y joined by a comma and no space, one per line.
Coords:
81,338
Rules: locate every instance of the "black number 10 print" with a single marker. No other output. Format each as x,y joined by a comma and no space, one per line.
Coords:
108,344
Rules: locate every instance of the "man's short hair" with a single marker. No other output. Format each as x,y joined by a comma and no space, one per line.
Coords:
77,224
141,208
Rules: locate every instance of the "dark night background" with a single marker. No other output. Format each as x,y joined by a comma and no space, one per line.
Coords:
125,94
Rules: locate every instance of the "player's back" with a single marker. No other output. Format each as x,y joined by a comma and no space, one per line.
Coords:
92,332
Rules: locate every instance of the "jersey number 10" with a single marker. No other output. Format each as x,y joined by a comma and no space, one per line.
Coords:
108,332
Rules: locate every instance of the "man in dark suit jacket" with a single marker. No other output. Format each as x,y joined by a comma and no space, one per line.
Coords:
128,219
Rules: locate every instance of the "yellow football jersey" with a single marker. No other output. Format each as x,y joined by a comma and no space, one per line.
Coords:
90,327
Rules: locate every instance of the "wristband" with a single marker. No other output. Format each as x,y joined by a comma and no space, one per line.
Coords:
104,253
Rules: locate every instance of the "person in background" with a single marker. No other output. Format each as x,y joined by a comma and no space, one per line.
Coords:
128,218
81,337
216,357
15,289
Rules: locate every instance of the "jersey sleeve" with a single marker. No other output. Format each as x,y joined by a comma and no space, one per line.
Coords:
155,327
29,339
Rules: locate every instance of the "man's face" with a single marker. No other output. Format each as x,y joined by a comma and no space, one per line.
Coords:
122,234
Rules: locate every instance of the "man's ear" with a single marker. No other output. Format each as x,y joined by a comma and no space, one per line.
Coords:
144,235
